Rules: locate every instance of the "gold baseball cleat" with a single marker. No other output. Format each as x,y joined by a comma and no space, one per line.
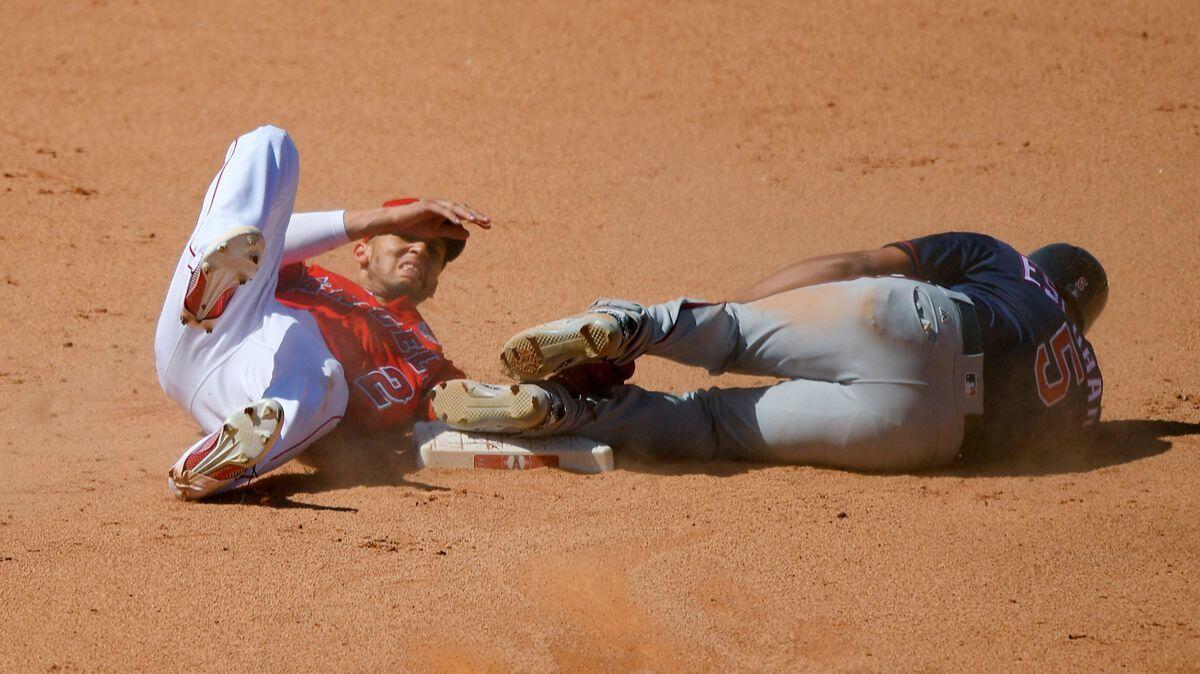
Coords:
474,406
542,351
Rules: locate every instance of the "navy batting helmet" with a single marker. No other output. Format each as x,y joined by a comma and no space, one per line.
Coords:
1078,276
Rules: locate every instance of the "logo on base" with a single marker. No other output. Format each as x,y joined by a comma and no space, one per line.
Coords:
515,461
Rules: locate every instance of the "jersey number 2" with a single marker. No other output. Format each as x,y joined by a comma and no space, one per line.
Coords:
1062,349
385,387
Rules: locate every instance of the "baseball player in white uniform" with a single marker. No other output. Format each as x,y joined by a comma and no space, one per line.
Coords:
257,374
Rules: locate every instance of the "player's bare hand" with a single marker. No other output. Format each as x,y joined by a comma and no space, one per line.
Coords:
459,214
424,218
432,218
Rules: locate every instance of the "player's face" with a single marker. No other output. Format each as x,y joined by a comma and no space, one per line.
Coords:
395,266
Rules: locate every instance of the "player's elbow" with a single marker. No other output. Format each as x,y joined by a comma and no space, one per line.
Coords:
881,262
851,265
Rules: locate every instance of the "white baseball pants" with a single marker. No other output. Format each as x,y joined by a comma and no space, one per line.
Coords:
258,348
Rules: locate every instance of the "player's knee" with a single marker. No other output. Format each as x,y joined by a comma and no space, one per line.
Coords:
274,140
269,133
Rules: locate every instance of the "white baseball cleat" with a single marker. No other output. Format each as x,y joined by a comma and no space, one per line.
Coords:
227,263
539,352
243,440
469,405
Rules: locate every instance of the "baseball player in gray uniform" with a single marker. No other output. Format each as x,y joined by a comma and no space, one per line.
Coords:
893,359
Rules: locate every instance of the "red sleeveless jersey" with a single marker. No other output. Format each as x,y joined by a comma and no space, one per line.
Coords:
388,353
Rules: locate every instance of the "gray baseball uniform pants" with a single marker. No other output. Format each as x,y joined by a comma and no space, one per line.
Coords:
876,379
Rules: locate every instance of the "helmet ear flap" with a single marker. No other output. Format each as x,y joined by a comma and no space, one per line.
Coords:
1078,276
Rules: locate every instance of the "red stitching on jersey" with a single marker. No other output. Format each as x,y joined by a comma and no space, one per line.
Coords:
220,173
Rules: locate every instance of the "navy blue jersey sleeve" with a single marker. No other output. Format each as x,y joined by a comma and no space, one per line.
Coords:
947,259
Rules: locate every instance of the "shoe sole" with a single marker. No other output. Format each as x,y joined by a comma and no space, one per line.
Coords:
538,353
471,406
245,438
229,262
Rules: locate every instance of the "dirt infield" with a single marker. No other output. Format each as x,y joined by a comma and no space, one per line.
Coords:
632,149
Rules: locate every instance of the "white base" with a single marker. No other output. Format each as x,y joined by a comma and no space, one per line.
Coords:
442,447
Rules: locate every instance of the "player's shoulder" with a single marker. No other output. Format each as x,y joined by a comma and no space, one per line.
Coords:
956,240
332,279
970,238
309,283
957,252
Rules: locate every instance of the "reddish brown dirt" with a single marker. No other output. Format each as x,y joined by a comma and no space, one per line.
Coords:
624,149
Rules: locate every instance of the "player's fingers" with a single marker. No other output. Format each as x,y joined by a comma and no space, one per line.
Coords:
479,218
441,209
465,212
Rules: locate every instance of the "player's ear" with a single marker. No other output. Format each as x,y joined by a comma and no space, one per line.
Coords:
362,252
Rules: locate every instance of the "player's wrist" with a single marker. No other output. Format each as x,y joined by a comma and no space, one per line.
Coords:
366,223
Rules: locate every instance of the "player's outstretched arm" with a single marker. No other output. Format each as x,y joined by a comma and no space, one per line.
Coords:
828,269
423,218
310,234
